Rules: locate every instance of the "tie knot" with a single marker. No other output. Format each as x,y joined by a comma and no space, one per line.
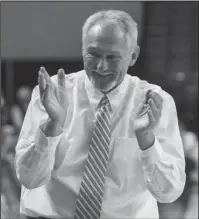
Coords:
105,102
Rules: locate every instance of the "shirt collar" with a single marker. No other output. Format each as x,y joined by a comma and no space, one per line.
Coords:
114,96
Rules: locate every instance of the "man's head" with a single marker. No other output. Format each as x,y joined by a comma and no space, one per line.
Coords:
23,95
109,47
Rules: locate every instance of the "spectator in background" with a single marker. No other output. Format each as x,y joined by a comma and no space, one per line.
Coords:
186,206
2,118
4,207
4,110
7,144
18,111
10,131
190,194
2,100
12,119
7,130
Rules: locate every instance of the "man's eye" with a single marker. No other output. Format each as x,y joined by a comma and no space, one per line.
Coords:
111,57
93,54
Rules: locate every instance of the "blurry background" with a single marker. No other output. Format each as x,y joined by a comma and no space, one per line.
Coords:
35,34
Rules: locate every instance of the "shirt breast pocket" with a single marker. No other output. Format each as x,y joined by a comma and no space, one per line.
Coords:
125,168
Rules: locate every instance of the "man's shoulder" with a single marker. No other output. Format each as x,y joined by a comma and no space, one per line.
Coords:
145,85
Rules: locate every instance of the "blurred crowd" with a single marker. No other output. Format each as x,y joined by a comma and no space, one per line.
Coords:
11,121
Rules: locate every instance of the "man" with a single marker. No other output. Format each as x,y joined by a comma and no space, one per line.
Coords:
18,110
99,143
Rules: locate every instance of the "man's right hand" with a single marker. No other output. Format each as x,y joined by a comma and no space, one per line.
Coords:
53,97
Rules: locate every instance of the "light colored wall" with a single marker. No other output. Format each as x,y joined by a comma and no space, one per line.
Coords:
50,29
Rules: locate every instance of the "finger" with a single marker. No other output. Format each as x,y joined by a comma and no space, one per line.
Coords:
154,109
143,110
151,118
41,82
143,107
157,99
45,94
46,76
61,78
147,95
61,95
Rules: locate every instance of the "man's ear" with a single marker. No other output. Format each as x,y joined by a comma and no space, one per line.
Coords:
134,56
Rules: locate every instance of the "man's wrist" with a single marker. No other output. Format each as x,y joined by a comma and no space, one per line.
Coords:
52,128
145,139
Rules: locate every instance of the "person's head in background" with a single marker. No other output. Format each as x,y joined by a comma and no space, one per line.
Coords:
109,47
2,100
23,96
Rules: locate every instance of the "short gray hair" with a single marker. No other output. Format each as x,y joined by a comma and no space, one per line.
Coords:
123,19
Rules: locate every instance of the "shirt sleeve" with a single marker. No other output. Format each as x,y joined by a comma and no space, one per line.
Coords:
35,153
163,163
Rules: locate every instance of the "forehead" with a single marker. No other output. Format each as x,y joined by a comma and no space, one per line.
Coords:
105,36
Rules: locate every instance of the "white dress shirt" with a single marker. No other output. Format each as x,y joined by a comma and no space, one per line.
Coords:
50,168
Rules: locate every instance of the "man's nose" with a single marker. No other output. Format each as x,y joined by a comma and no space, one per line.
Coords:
102,65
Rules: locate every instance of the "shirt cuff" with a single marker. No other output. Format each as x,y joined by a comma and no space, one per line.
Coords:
152,154
44,143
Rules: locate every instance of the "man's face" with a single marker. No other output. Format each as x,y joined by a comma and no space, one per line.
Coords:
106,56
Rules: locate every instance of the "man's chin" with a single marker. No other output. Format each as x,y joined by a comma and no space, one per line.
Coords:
100,85
106,89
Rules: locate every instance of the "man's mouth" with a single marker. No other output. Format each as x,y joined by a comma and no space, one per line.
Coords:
102,74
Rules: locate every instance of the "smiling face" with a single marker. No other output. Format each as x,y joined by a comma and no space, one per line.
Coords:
106,56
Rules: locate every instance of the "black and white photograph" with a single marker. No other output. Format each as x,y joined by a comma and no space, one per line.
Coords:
99,109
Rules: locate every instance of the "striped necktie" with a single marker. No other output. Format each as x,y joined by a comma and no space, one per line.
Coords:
89,200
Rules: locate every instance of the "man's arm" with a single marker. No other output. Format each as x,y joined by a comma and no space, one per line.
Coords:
35,150
41,130
162,155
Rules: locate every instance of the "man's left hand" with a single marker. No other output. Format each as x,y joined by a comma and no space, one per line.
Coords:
152,107
147,118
